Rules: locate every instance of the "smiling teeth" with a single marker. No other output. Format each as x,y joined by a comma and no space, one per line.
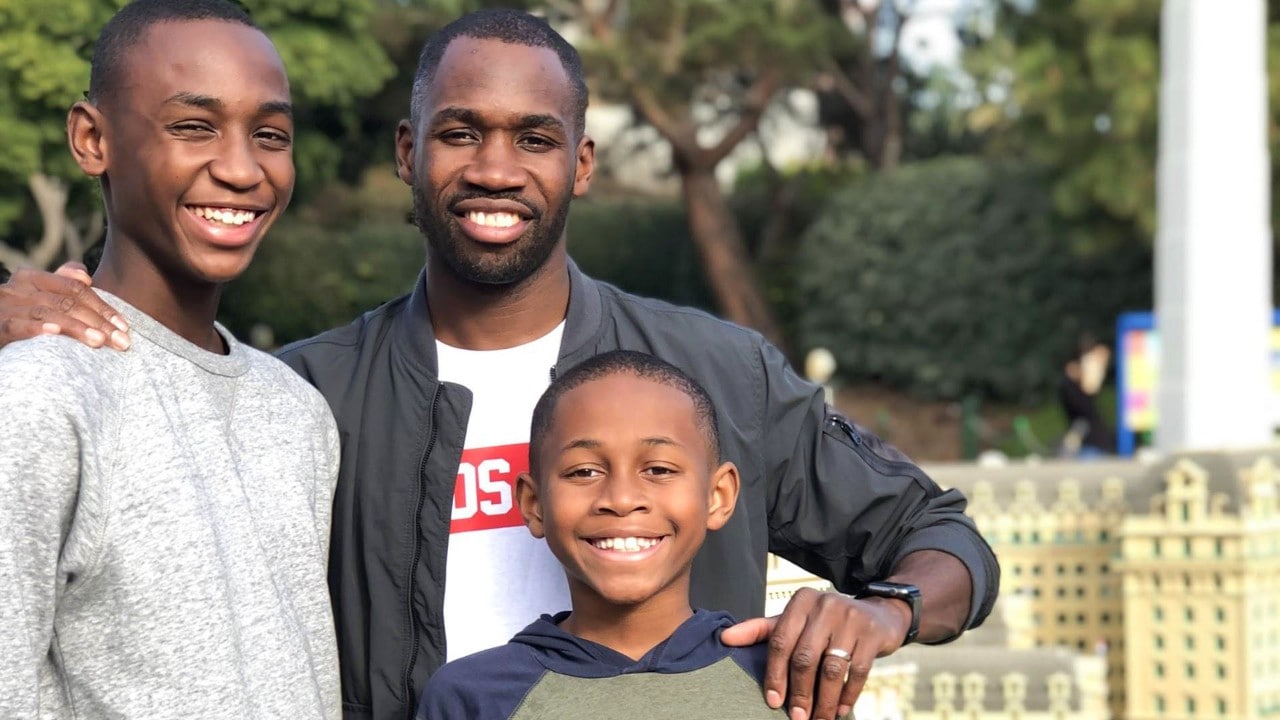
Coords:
628,544
497,219
226,216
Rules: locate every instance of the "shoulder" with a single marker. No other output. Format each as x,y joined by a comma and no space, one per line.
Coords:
285,384
488,684
675,319
332,346
48,369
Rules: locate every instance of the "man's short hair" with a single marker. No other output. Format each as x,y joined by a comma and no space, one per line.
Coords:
509,26
616,362
128,26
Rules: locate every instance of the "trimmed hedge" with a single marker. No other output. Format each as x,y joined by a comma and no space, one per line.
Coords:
950,277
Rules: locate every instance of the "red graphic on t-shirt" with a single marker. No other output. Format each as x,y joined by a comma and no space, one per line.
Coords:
484,497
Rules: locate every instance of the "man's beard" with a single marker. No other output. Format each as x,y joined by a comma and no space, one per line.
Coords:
465,258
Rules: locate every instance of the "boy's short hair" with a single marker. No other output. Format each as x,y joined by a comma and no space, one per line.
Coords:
630,362
128,26
515,27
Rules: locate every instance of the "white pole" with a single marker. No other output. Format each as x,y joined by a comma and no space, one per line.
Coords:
1213,245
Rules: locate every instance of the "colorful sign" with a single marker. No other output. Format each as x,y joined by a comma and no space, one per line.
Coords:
1138,370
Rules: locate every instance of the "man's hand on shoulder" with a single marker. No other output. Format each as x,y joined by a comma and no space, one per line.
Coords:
63,303
821,649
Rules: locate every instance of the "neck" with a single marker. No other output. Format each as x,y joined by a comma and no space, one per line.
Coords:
632,630
186,307
488,317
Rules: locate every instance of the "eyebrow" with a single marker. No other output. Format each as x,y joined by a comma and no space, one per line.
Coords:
466,116
590,444
213,104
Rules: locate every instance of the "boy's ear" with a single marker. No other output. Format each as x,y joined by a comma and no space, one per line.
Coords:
86,136
529,503
724,495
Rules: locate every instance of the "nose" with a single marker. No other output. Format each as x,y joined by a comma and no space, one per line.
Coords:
236,164
495,166
622,495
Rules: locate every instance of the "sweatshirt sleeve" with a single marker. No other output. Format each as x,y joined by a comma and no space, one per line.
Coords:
39,483
847,506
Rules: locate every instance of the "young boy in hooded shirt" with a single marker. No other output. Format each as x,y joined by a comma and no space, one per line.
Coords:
164,512
625,481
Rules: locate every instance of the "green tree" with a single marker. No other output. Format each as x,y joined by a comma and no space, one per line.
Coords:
1074,85
48,211
701,73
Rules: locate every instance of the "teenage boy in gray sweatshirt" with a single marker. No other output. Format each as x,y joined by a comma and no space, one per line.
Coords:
164,512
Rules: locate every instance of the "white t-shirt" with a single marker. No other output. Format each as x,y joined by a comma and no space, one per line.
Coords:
498,577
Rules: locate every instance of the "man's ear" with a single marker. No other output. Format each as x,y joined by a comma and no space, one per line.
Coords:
86,136
585,166
724,495
405,139
529,503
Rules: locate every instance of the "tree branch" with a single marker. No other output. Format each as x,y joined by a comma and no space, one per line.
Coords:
859,101
757,99
51,198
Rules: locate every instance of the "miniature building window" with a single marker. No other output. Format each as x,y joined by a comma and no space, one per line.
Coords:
1080,621
1062,569
1035,592
1222,706
1217,547
1159,668
1222,670
1105,618
1160,704
1155,581
1159,613
1103,535
1015,537
1080,569
1186,547
1062,618
1035,570
1191,670
1221,642
1155,547
1159,642
1062,592
1016,570
1035,536
1190,614
1220,613
1104,568
1080,592
1191,642
1191,706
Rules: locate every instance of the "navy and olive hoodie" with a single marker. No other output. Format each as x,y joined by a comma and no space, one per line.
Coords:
545,672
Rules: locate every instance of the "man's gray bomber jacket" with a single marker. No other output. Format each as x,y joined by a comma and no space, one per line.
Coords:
816,489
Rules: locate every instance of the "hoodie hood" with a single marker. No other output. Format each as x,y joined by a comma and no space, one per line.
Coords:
694,645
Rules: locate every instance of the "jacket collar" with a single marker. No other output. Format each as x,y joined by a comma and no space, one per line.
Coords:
414,339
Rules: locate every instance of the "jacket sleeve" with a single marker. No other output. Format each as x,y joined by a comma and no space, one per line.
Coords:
848,507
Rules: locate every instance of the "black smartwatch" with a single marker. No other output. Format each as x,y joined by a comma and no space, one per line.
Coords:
900,591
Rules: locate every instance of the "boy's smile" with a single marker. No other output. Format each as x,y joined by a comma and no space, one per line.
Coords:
627,490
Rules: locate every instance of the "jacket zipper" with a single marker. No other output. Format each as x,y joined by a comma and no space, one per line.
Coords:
411,701
881,465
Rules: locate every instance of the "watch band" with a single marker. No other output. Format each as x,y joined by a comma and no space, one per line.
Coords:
900,591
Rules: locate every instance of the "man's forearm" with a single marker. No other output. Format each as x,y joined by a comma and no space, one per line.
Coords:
945,592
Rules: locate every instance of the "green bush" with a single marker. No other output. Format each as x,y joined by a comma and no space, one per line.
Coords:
951,277
309,278
640,245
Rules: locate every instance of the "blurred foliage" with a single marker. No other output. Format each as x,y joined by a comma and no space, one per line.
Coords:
45,45
308,278
948,277
1073,85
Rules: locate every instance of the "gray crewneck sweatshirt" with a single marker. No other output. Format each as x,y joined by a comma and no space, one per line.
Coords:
164,531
